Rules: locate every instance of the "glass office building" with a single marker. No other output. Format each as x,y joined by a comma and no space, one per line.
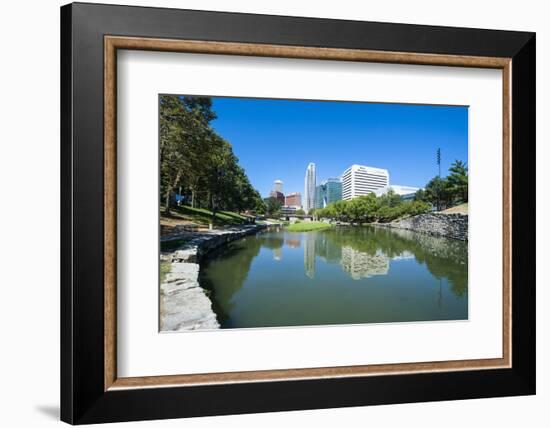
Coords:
327,192
319,196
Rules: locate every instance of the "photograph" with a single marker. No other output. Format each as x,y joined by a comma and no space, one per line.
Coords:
301,213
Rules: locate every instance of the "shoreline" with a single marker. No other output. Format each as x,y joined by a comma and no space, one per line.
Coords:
184,304
452,226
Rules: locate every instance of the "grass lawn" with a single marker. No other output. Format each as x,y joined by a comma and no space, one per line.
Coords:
459,209
307,226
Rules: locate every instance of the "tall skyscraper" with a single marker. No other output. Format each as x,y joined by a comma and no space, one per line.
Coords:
278,186
277,191
360,180
309,188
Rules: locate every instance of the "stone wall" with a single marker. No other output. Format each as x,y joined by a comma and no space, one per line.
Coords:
438,224
201,244
184,304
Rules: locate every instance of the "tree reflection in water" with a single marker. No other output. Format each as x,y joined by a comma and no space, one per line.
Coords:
444,258
256,281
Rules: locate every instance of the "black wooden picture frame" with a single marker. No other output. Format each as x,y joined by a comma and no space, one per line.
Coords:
84,397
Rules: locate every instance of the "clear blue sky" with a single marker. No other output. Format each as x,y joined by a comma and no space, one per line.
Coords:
276,139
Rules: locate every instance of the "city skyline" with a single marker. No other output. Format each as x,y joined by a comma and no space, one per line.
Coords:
357,180
277,139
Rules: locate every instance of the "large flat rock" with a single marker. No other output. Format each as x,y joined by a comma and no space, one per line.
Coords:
184,305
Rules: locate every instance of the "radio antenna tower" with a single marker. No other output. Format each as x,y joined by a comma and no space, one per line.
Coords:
438,156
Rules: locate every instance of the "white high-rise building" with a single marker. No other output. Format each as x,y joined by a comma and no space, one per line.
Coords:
360,180
309,188
278,186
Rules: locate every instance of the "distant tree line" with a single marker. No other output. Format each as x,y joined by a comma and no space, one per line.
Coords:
369,208
196,162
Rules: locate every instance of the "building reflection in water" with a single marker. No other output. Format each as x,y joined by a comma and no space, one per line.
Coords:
292,243
367,252
277,254
363,265
275,243
405,255
309,254
357,264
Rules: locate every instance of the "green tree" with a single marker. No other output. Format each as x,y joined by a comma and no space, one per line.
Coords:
362,209
448,191
417,207
437,192
171,146
260,207
421,196
273,206
369,208
390,199
185,140
458,180
220,175
196,159
340,210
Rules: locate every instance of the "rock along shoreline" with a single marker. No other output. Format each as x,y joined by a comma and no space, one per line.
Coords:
453,226
184,304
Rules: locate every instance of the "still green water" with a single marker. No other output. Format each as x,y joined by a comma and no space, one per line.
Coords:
343,275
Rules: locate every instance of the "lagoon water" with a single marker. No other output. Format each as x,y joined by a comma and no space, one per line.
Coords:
342,275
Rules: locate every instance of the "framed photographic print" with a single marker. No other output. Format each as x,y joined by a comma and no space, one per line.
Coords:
266,213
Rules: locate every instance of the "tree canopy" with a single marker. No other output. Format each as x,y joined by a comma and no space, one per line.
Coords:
272,206
369,208
196,162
